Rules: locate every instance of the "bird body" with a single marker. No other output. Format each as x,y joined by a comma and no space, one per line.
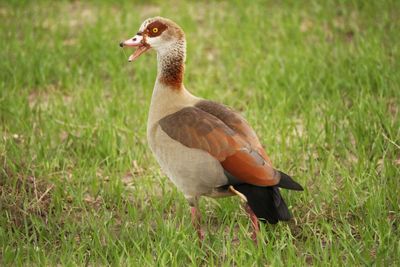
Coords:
205,148
195,172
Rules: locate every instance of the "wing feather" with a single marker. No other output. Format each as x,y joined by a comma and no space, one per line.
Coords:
226,136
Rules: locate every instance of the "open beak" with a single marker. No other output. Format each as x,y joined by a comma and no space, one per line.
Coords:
137,41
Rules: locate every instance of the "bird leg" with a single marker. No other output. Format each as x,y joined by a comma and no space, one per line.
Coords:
250,212
254,222
196,221
196,216
242,197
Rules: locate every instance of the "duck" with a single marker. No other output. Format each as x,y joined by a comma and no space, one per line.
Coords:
205,148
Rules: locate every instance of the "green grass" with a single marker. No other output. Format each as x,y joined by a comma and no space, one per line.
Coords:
318,80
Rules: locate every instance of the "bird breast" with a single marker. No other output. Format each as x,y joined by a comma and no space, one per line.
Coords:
195,172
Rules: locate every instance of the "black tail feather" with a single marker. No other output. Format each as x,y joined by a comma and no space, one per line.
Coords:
266,202
288,183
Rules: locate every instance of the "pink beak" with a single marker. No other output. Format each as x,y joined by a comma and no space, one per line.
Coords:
137,41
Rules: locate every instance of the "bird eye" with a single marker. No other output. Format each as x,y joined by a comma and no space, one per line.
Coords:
155,30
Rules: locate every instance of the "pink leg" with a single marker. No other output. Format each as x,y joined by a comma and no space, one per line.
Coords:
254,222
196,221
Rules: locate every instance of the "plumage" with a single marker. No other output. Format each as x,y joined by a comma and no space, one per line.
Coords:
266,202
226,136
205,148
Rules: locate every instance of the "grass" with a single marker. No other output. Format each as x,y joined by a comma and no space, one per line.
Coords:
318,80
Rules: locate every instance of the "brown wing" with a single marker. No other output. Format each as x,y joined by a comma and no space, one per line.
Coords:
230,144
195,128
236,122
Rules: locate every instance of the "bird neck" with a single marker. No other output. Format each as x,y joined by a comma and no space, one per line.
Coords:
171,64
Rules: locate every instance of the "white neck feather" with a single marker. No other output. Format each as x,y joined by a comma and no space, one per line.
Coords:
170,53
166,99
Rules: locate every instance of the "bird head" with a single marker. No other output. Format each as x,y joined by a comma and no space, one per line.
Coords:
157,33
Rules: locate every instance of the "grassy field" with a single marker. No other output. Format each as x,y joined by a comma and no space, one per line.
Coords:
318,80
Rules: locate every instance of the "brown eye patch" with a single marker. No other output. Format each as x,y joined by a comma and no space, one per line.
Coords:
155,28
